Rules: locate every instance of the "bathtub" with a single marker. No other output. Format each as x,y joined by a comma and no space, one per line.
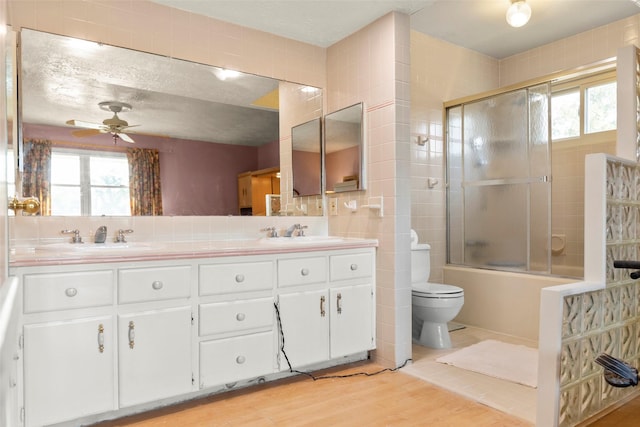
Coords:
499,301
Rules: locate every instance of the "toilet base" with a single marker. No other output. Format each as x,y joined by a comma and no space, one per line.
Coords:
434,335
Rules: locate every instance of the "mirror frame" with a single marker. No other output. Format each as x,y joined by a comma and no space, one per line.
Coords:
352,114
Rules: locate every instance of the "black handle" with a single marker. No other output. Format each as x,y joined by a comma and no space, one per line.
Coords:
627,264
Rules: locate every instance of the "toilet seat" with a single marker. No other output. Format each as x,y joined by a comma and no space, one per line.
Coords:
436,290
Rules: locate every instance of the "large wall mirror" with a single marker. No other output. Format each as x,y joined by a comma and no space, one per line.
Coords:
208,126
306,158
344,150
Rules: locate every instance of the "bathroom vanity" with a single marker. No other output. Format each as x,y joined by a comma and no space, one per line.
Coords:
114,332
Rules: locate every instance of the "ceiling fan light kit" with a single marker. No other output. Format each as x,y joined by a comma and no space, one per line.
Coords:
519,13
115,125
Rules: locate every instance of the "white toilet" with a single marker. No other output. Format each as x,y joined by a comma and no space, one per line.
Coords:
433,304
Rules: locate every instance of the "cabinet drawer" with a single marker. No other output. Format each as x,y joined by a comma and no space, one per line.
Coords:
234,359
154,284
351,266
238,277
237,316
302,271
63,291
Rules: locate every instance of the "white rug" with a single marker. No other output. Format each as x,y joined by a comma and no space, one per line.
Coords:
511,362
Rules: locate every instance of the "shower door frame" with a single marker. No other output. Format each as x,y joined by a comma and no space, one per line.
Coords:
529,180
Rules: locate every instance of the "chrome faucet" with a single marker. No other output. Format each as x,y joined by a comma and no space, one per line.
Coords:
295,230
76,235
271,231
289,231
101,234
120,237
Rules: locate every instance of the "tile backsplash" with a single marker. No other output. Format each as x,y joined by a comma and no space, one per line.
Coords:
34,230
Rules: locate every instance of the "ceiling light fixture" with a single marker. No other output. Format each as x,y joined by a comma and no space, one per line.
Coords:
224,74
518,13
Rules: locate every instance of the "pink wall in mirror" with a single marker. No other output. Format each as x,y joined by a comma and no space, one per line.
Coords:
340,164
306,173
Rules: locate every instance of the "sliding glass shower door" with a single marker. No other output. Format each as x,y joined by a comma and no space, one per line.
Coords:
499,189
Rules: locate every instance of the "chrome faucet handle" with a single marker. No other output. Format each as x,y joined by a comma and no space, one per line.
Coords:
76,235
301,230
120,237
271,231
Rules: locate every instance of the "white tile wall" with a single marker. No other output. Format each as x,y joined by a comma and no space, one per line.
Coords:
440,72
372,66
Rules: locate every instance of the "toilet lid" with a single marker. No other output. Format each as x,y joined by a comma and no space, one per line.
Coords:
436,289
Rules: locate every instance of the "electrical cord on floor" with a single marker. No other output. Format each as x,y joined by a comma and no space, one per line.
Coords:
326,377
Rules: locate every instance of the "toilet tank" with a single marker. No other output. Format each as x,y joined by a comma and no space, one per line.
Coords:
420,263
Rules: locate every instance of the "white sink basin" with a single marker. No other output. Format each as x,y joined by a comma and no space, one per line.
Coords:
300,240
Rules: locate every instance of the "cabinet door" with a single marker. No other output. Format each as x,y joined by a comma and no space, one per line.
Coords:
244,190
351,320
154,355
68,370
260,187
305,327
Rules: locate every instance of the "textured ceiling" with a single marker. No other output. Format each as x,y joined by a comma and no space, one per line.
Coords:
170,97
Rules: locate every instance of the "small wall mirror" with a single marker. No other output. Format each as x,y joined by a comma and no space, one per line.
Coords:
306,158
344,150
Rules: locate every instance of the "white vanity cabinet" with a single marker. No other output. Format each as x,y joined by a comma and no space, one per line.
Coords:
103,340
236,320
69,362
329,314
77,363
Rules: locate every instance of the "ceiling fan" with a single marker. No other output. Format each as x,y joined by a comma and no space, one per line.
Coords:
115,125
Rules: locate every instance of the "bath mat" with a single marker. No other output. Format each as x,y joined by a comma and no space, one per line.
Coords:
511,362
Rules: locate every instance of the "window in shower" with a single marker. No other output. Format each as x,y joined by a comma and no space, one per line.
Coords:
584,108
499,189
595,109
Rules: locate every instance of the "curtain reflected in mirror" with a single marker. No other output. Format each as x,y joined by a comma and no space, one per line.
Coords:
344,165
144,182
36,175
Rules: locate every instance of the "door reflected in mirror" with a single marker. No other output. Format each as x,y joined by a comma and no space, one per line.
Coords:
344,150
306,158
208,127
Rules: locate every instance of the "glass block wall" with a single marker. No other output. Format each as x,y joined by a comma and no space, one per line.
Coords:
606,320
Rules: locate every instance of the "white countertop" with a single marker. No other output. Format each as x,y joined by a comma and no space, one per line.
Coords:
87,253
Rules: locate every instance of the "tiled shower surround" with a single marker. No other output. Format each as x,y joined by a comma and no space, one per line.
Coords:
605,320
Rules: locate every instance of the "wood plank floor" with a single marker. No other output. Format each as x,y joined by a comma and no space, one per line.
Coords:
628,415
387,399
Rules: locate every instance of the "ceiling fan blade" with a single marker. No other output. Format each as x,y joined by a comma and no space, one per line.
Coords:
81,133
87,125
125,137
